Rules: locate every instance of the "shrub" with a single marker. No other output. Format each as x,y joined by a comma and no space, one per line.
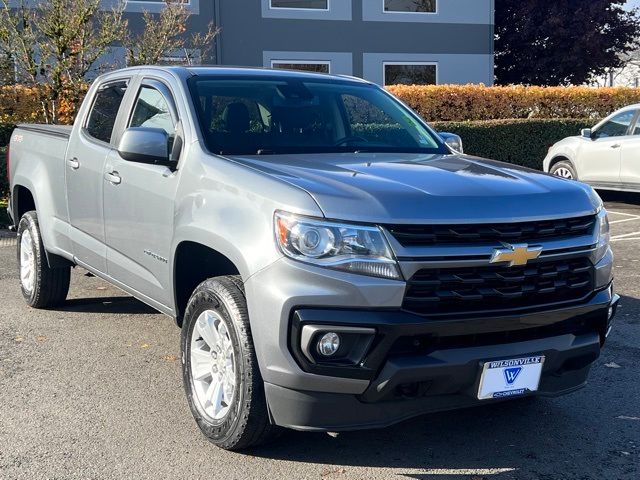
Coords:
5,135
522,142
477,102
19,103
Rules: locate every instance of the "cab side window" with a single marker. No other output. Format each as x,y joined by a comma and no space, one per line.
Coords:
616,126
152,110
104,111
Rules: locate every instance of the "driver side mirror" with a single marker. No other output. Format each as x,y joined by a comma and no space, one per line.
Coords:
587,133
145,145
452,140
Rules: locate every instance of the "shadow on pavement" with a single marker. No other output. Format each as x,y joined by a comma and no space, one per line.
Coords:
122,305
628,307
620,197
496,440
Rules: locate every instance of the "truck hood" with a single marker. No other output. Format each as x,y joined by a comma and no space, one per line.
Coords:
419,188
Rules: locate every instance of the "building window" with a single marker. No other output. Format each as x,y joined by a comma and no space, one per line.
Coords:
184,2
301,4
410,73
410,6
305,65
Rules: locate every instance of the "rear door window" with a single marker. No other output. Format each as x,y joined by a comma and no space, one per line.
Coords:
104,111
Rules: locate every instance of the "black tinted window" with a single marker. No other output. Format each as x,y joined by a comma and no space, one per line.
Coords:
104,111
421,6
312,4
410,74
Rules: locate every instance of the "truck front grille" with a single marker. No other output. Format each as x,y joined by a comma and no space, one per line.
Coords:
527,232
494,288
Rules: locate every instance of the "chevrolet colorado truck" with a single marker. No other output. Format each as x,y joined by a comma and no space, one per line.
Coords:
332,263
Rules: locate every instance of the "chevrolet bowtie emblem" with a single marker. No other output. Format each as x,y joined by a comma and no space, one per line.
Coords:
518,254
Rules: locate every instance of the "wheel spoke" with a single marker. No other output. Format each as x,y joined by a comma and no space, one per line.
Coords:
207,330
223,334
230,378
27,261
217,396
200,364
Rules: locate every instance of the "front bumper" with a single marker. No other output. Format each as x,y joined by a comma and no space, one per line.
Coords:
443,371
451,380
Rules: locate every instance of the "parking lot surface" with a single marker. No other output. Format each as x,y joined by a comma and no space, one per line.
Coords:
94,390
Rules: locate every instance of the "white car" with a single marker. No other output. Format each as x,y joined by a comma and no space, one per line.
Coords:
606,156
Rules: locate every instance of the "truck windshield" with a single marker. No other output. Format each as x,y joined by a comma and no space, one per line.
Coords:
276,115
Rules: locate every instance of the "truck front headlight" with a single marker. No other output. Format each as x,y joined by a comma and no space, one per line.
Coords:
353,248
602,226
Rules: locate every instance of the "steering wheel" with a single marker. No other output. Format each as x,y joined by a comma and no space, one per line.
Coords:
350,138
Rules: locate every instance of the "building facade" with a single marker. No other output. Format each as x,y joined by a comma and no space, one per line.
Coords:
384,41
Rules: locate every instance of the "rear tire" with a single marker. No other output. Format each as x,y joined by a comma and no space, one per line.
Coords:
41,285
564,169
221,376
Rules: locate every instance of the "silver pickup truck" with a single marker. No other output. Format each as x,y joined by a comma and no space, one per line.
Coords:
332,263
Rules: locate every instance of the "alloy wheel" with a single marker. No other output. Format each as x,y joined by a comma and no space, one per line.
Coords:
213,367
564,173
27,261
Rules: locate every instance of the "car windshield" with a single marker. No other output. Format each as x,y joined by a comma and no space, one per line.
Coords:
248,116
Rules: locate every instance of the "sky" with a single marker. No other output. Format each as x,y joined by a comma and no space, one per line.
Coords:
633,3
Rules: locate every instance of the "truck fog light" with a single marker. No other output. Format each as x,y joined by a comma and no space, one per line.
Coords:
329,344
610,313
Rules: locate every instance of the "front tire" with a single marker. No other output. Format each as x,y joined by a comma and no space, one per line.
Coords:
41,285
221,377
564,169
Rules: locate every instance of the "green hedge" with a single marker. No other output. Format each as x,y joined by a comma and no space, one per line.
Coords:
5,135
523,142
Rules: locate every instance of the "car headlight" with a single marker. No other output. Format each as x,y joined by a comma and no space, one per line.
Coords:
602,226
352,248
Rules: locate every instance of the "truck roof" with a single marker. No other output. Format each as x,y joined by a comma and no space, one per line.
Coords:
254,72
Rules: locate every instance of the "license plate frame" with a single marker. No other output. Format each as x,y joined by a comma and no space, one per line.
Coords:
510,377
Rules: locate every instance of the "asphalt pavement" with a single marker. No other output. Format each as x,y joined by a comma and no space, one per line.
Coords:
93,390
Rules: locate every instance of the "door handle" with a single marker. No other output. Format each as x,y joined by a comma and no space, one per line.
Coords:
615,145
113,177
73,163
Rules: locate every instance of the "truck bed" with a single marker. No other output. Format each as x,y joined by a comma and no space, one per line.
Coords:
37,162
63,131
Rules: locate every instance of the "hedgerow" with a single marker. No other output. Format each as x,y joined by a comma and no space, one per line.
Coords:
523,142
477,102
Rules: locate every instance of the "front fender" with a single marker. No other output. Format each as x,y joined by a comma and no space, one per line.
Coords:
229,208
567,148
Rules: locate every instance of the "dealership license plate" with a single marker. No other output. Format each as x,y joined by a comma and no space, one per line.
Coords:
510,378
